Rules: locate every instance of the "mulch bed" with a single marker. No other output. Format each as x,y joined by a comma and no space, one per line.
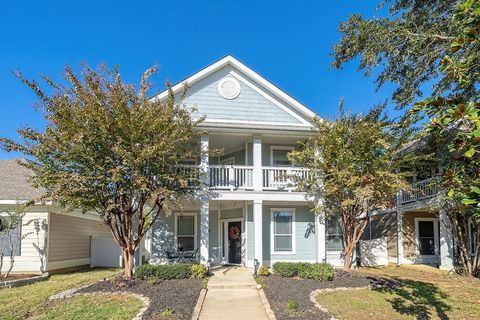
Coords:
178,295
280,291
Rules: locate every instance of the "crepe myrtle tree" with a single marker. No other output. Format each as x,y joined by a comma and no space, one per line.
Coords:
108,147
353,163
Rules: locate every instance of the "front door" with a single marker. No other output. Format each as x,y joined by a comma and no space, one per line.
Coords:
234,242
428,239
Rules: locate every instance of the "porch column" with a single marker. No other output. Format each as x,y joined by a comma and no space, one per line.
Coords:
399,232
204,201
258,223
446,241
257,164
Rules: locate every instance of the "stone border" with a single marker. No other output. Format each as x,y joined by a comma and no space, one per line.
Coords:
199,305
266,304
73,293
329,290
21,282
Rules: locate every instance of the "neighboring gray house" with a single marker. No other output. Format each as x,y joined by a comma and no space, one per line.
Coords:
53,241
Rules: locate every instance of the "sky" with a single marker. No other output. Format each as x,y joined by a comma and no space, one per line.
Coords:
288,42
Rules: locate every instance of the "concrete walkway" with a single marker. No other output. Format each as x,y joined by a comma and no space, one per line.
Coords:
232,294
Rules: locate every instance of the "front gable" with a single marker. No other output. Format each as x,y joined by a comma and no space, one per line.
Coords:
228,93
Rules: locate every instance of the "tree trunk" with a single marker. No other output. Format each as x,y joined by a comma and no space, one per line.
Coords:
348,257
128,260
12,260
1,262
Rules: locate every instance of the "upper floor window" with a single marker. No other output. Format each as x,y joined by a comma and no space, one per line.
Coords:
283,230
279,156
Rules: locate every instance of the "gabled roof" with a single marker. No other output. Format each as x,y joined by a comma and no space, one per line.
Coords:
14,184
230,61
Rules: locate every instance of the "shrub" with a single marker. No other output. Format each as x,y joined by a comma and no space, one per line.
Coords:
163,272
285,269
263,271
198,271
318,271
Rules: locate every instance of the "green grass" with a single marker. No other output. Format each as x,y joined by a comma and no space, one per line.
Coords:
30,300
97,307
421,293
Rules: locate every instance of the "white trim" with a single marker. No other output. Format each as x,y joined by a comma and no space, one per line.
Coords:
428,258
272,235
23,201
275,124
225,239
235,82
272,148
247,71
195,228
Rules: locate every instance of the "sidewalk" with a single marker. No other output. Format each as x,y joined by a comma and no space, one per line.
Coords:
232,294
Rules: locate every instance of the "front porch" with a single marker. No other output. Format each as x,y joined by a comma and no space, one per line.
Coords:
238,232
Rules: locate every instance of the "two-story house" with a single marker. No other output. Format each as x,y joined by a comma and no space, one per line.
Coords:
252,210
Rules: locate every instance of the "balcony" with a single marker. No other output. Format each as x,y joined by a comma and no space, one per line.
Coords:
237,177
421,190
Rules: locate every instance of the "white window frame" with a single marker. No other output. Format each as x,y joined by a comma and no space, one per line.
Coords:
195,228
272,235
272,148
436,235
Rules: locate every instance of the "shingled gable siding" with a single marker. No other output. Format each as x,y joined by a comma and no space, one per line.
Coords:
248,106
33,246
70,240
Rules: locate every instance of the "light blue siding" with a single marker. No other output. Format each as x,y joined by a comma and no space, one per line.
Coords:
304,236
248,106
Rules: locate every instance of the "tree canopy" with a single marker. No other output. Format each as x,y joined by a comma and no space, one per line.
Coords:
353,161
108,147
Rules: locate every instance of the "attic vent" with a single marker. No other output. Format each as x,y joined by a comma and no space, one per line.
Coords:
229,88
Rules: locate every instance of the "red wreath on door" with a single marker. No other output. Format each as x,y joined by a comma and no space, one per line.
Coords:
233,233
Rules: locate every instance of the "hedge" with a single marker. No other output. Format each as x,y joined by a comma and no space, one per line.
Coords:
170,271
316,271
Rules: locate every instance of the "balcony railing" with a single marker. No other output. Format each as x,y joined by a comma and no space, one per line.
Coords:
420,190
283,178
235,177
231,177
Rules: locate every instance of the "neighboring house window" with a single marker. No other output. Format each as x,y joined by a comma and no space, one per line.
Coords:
14,234
283,230
334,233
186,232
279,156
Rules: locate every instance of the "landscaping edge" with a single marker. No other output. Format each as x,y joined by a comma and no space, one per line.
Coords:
21,282
314,293
199,305
266,304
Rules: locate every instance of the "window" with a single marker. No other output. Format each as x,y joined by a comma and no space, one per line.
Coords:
283,230
334,233
13,234
279,156
186,226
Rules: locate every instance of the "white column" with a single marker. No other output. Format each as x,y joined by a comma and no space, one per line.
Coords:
258,223
257,164
446,241
399,236
321,237
204,201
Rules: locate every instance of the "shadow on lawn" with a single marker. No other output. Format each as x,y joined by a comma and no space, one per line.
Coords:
414,298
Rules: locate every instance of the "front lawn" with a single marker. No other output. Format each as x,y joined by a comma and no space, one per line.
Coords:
31,300
416,292
97,307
